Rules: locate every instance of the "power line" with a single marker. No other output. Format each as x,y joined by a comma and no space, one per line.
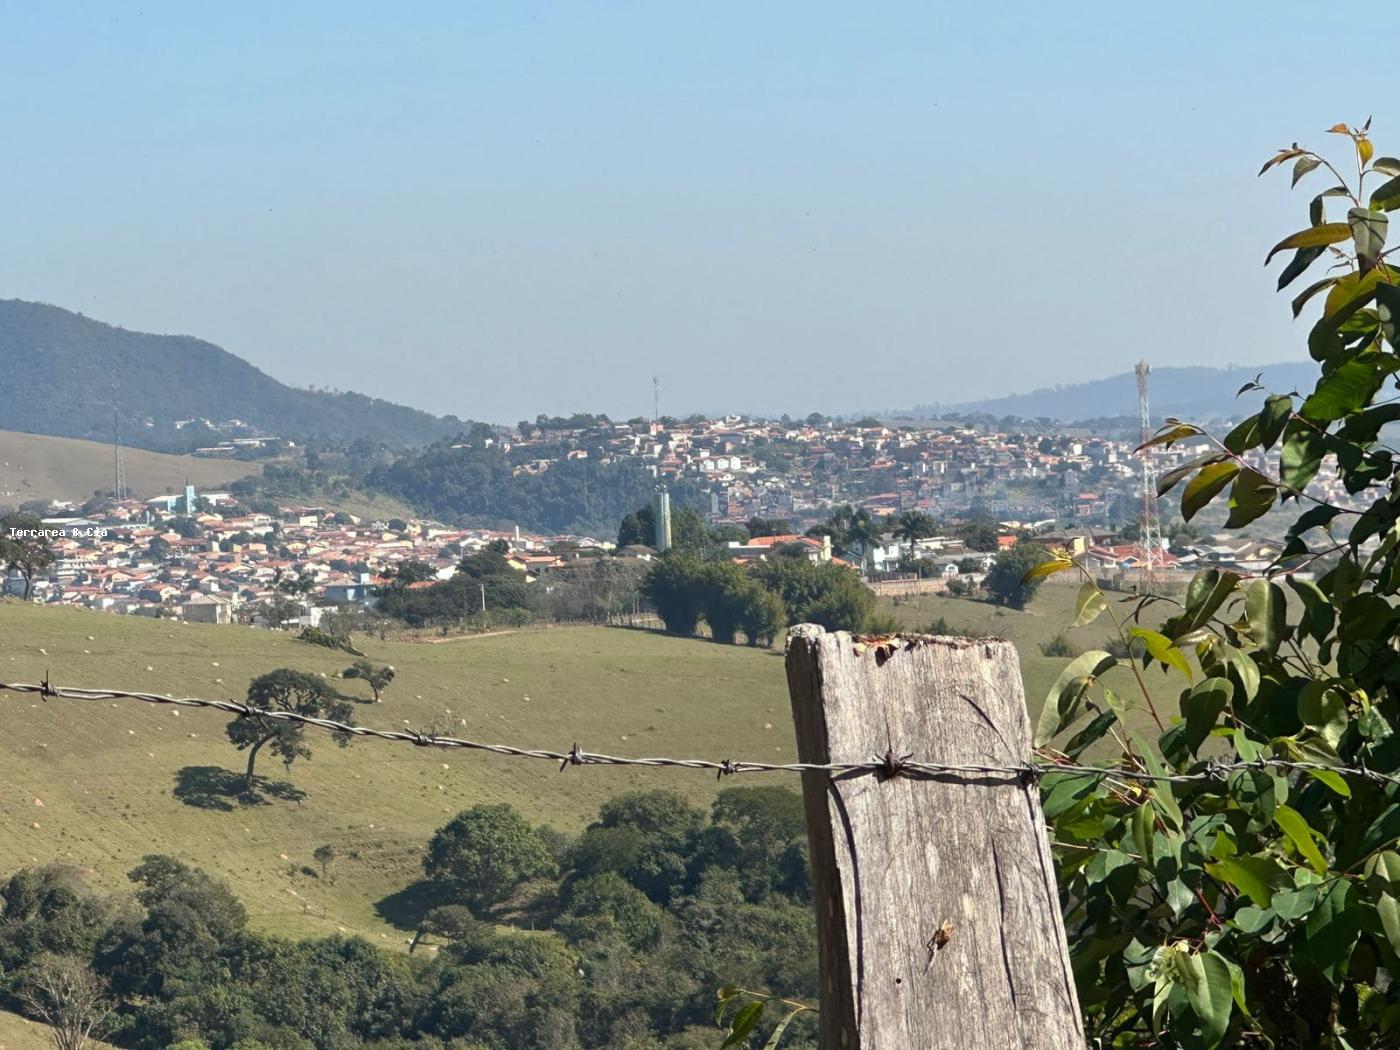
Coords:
888,765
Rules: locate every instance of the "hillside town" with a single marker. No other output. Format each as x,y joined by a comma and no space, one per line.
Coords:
206,557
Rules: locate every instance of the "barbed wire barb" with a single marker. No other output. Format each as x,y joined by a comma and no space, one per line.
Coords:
887,766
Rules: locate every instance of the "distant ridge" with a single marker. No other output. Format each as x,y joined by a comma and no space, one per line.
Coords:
59,368
1190,392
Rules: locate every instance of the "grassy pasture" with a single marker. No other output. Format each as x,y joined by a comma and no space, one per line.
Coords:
33,466
101,784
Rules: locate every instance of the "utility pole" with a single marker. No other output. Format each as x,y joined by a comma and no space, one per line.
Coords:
655,399
483,597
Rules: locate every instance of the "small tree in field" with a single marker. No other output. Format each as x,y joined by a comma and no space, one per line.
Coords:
65,994
290,691
485,852
377,678
1007,583
325,857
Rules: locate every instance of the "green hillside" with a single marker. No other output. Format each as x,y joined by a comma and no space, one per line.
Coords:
37,467
107,774
60,368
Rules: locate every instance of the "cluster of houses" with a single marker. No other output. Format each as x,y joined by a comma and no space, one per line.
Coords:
141,557
204,558
760,467
799,469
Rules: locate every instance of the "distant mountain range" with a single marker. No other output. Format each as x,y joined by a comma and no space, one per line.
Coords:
61,373
1186,392
58,370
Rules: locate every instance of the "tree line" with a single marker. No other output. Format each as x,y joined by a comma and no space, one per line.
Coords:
638,920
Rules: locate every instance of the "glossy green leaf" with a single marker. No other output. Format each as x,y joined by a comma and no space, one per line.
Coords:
1319,616
1347,388
1334,781
1250,919
1059,792
1205,486
1357,285
1161,793
1314,236
1089,604
1208,989
1251,497
1325,340
1266,609
1310,292
745,1020
1170,435
1169,479
1255,876
1301,457
777,1034
1201,708
1388,307
1244,436
1161,649
1386,196
1046,568
1332,926
1090,734
1292,824
1297,266
1204,596
1273,417
1382,872
1063,701
1246,670
1302,166
1389,912
1323,708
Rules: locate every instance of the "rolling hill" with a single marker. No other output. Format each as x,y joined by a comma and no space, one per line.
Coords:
1186,392
37,467
100,784
60,370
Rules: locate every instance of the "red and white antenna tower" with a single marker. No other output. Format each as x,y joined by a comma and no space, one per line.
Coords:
1151,525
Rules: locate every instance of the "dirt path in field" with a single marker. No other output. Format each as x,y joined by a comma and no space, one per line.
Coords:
463,637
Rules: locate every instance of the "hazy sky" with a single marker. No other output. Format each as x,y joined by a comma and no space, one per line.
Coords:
501,209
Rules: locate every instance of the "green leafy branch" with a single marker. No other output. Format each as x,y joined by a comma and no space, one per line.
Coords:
740,1011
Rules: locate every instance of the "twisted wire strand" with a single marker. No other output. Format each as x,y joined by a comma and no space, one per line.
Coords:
888,765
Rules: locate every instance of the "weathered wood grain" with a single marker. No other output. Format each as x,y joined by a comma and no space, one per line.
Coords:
937,910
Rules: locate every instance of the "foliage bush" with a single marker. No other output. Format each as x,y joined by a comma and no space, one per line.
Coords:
316,636
1262,907
611,967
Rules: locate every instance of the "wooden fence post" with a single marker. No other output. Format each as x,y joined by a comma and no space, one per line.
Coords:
939,923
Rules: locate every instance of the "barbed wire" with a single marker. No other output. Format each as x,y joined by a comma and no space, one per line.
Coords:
888,765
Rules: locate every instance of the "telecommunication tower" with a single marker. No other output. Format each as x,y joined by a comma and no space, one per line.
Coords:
1151,525
118,465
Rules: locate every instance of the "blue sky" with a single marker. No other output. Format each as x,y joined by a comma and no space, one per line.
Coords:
503,209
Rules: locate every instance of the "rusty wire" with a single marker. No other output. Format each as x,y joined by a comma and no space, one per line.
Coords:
886,766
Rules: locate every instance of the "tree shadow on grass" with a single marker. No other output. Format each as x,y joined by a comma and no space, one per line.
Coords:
405,909
210,787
